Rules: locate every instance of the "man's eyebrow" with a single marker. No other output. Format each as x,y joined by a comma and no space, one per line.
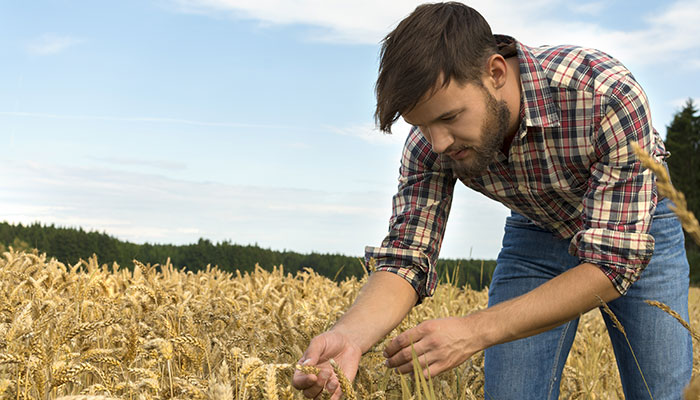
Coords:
439,117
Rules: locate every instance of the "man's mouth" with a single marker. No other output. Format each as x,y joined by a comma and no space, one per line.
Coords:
458,155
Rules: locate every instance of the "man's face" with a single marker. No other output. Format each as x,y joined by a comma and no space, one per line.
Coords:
465,122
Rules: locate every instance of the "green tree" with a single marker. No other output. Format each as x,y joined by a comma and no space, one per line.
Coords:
683,141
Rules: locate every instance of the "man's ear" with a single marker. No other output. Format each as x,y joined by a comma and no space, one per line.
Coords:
496,68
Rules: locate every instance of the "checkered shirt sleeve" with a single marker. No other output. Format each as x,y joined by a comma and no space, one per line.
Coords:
419,215
621,197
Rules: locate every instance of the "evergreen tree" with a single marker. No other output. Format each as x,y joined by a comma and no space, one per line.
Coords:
683,141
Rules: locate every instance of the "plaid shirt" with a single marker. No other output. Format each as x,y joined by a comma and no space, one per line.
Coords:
570,170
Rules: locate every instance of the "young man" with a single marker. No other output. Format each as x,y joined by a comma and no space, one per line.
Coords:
546,131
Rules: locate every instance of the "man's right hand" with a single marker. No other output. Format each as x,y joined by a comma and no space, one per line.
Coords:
322,348
382,303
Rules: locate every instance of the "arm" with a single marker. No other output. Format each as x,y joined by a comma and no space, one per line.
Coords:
555,302
380,306
404,272
445,343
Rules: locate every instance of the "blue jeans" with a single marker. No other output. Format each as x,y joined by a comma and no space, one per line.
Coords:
531,368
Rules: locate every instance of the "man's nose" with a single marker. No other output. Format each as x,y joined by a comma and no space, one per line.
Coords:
440,139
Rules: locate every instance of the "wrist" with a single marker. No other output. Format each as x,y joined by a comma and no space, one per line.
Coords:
485,328
355,338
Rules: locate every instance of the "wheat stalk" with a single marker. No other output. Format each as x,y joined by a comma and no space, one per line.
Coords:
663,182
675,315
619,327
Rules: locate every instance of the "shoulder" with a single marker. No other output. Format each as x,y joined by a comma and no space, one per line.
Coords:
581,68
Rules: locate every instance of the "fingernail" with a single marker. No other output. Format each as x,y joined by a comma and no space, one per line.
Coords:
332,387
306,362
385,353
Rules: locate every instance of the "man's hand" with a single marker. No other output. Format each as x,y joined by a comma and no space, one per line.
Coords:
440,344
322,348
445,343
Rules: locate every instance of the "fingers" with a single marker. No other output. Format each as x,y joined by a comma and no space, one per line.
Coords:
322,348
403,341
316,389
313,352
303,381
429,364
333,387
399,352
313,384
403,360
337,394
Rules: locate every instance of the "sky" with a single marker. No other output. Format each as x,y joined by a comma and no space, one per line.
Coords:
164,121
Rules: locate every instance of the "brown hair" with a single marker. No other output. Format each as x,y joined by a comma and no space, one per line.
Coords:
444,39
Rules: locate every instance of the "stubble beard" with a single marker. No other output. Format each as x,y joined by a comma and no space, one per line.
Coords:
493,132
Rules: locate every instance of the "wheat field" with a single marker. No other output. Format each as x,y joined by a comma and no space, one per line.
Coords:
91,331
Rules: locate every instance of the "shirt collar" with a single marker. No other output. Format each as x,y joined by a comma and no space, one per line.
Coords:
539,107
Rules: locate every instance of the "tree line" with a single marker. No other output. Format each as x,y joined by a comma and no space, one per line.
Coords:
70,245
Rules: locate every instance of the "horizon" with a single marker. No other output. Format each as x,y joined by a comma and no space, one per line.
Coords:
215,243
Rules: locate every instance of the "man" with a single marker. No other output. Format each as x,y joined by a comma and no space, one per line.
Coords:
548,132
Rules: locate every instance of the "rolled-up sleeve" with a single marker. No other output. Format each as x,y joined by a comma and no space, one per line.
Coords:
621,197
419,216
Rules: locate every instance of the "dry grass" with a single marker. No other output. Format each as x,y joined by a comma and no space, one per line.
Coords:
160,333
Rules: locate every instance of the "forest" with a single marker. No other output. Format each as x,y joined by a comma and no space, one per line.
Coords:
69,245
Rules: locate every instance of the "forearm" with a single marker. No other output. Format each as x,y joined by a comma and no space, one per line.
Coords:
380,306
555,302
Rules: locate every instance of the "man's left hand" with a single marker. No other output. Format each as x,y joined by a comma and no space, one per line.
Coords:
439,344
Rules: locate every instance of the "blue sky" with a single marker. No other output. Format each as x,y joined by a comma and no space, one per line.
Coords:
251,121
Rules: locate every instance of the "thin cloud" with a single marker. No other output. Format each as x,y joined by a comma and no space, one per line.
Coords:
370,134
680,102
167,165
593,8
360,21
366,132
665,34
51,43
156,120
669,35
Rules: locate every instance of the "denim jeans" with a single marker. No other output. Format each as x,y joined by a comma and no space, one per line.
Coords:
531,368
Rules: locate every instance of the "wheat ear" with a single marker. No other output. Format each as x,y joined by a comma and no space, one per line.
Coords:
675,315
345,384
663,183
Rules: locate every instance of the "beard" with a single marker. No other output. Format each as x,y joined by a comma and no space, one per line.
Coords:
493,133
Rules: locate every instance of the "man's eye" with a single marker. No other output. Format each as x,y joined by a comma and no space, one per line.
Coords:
449,118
